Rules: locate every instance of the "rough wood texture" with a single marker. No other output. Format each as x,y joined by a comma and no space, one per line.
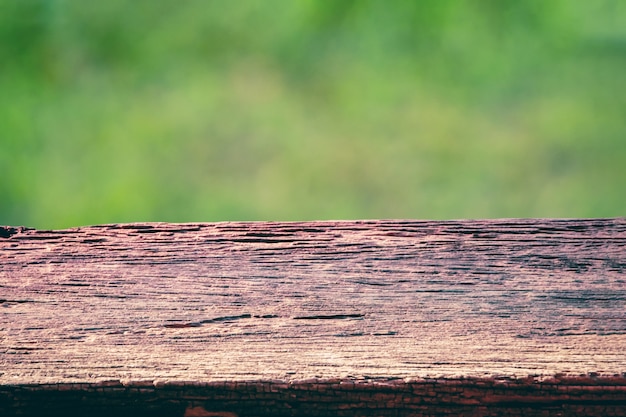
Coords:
380,318
293,301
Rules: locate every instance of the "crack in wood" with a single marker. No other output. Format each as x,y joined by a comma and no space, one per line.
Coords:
331,317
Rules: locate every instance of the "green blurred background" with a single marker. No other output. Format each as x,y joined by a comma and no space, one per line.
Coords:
146,110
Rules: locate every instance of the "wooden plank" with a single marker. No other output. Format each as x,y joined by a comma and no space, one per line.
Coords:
296,301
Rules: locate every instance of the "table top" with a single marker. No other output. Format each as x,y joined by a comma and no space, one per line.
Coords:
299,300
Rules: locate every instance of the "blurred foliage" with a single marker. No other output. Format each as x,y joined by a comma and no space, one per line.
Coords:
147,110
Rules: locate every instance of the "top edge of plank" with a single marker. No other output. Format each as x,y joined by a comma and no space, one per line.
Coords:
332,222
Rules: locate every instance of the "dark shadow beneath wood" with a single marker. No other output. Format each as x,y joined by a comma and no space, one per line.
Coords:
570,396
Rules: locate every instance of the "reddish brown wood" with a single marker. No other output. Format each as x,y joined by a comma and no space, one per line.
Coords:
314,299
297,302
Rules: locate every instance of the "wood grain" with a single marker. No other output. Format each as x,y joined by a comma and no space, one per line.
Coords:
293,301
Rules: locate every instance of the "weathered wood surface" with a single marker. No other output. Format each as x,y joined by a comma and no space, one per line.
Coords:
292,301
